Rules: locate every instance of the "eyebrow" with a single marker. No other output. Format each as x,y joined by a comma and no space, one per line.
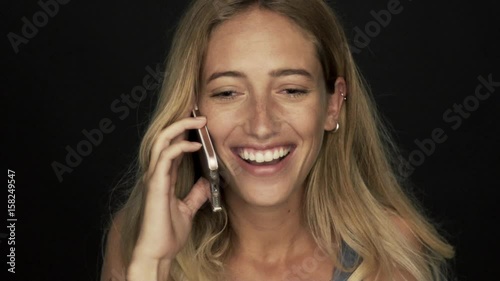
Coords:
274,73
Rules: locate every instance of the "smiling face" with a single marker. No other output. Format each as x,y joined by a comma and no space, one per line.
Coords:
267,108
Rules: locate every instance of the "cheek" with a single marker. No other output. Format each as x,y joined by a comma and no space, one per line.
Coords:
220,124
308,120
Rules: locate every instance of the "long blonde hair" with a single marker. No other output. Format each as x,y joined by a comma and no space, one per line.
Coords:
352,190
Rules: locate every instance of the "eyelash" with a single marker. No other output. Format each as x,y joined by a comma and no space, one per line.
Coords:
291,92
222,95
297,92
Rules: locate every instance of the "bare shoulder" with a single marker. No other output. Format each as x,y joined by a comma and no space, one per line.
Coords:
113,268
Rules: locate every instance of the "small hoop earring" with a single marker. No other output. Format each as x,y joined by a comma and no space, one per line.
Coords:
336,128
343,95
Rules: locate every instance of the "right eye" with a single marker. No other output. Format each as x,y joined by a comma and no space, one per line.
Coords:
225,95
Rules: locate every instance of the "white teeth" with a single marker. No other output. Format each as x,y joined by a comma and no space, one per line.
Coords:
268,156
264,155
259,157
276,154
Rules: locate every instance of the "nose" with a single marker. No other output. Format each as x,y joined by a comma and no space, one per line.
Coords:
263,121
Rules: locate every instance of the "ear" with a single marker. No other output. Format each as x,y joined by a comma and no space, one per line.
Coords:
334,104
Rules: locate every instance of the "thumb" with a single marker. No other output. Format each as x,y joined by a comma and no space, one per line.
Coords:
198,195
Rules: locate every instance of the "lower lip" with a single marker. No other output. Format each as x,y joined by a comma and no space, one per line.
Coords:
265,170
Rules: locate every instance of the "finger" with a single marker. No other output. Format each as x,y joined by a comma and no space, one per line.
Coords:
174,170
170,133
166,157
198,195
158,193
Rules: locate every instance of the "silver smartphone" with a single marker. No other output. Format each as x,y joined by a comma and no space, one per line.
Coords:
209,165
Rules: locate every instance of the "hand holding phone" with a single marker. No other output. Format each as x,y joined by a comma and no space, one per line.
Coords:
167,220
209,164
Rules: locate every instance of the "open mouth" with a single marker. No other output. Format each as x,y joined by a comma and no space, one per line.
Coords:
264,157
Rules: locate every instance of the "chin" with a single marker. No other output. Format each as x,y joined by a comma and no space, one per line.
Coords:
262,193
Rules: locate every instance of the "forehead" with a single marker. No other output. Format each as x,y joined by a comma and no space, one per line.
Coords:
260,39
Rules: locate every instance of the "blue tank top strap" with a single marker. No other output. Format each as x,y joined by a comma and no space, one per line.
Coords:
349,259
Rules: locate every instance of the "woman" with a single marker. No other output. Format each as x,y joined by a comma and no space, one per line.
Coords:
309,190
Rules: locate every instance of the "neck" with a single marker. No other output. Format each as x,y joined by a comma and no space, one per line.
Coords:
268,233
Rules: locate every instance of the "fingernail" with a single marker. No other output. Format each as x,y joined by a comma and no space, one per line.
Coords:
201,117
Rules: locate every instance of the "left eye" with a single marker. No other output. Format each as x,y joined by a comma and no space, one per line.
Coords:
296,92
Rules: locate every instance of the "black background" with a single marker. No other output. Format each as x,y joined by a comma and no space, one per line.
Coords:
65,78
